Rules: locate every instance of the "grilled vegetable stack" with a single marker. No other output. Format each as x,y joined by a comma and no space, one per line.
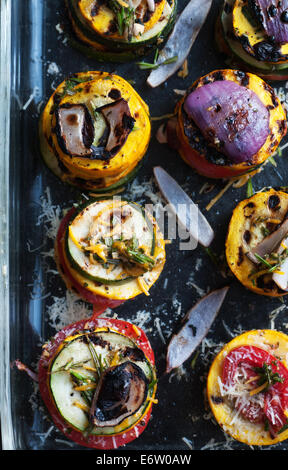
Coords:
228,124
94,131
98,381
257,243
247,387
120,30
255,33
109,251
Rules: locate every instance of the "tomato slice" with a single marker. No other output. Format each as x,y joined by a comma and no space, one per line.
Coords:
206,168
99,303
275,399
51,348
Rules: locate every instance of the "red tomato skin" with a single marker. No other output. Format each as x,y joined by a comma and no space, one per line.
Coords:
50,349
203,166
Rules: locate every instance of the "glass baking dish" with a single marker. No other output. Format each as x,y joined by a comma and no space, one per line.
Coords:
35,57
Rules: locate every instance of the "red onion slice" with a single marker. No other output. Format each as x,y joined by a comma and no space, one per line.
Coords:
197,323
191,218
273,15
231,117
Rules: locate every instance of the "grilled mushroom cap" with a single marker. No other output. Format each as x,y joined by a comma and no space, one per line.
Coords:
120,122
75,129
269,243
120,393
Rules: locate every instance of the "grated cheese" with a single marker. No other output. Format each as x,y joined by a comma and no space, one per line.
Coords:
157,324
142,284
67,309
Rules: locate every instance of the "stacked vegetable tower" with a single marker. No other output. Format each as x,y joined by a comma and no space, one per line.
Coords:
120,30
94,131
255,33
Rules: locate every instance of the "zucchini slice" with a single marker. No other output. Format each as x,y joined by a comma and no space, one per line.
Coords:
222,405
97,259
252,221
109,159
208,160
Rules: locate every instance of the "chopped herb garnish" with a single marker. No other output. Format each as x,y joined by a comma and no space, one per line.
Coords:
80,379
267,376
125,18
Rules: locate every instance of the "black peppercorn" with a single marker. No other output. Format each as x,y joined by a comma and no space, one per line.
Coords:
272,11
284,16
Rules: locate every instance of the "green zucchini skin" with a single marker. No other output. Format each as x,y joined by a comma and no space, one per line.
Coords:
117,51
75,265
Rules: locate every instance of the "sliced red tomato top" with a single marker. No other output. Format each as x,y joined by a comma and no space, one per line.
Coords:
99,303
49,351
252,362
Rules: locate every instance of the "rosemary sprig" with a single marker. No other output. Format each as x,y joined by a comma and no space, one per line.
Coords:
278,260
80,379
125,17
263,261
128,250
99,363
148,66
139,257
70,365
